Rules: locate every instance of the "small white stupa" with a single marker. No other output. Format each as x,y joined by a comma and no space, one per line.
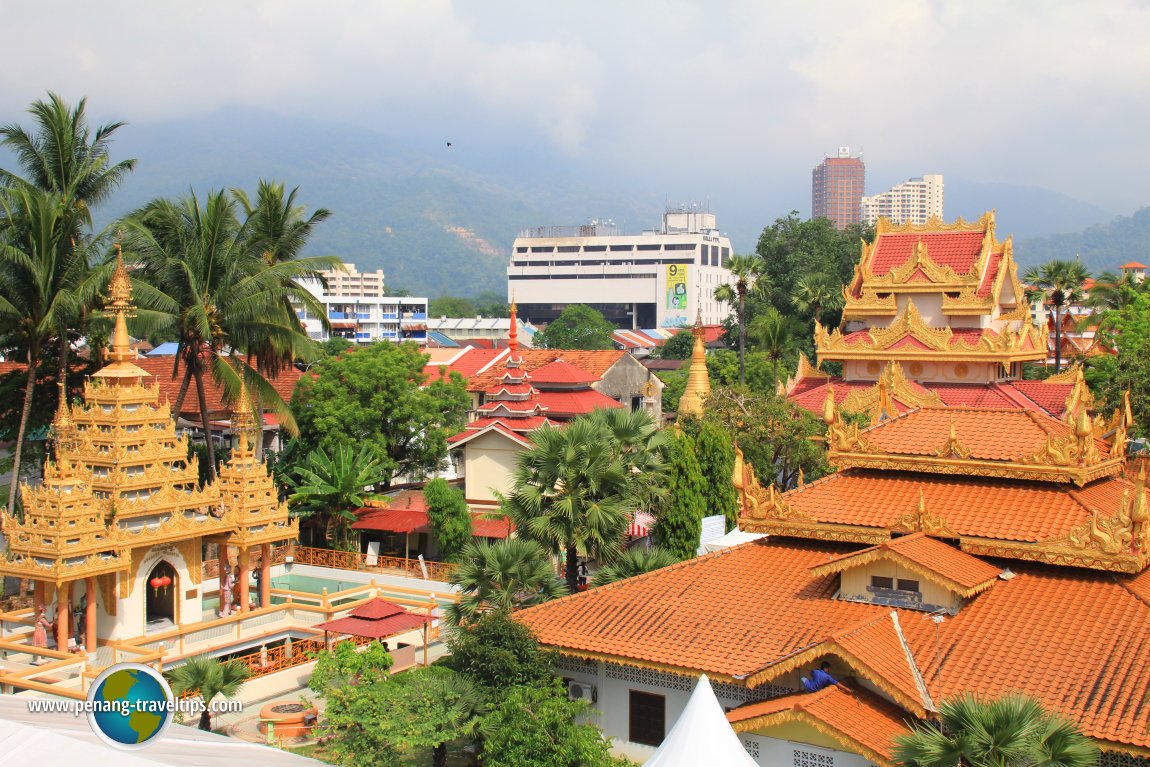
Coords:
701,736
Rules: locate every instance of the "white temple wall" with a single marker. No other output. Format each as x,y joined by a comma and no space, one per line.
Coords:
130,620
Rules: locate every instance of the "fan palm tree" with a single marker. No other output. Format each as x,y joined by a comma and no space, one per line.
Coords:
208,677
775,333
1059,284
1012,731
572,492
634,562
202,277
747,270
642,447
1110,291
816,293
331,487
505,575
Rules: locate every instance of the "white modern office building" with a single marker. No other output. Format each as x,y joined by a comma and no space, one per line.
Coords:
365,319
657,279
915,201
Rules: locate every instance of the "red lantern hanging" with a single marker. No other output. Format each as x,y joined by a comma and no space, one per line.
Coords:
165,581
155,583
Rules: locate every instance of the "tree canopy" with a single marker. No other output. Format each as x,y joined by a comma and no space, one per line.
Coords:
450,518
377,397
577,327
498,653
679,521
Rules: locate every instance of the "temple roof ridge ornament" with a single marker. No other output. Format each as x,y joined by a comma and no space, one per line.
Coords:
121,307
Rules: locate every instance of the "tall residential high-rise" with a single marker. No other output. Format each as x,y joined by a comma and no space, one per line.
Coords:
349,282
912,202
837,186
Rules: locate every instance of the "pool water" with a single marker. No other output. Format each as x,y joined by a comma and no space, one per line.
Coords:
310,584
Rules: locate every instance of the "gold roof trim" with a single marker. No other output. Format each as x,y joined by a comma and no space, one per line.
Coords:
802,716
877,553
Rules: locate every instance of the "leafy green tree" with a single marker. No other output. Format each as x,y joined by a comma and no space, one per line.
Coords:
674,384
774,434
716,454
504,575
1057,284
378,397
816,293
1111,376
382,722
498,653
634,562
335,346
330,487
678,346
776,335
747,270
537,726
346,664
679,522
451,306
572,492
792,248
449,517
208,677
1011,731
491,304
577,327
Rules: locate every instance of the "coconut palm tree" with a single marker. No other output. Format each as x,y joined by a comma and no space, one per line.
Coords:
775,333
33,304
67,170
747,270
504,575
208,677
634,562
201,276
1012,731
1059,284
572,492
816,293
331,487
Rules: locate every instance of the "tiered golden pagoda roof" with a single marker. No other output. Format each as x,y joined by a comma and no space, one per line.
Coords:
247,490
122,479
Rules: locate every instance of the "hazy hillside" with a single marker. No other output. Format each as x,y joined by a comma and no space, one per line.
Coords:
1102,247
441,219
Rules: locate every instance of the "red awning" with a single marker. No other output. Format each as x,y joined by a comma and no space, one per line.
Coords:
500,527
391,520
376,629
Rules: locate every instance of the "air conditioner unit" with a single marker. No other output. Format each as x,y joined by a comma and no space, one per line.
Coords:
581,691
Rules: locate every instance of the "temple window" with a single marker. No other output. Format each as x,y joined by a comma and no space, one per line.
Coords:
647,718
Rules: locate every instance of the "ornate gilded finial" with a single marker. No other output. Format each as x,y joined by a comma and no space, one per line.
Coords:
801,480
1083,428
63,429
120,304
922,503
829,412
953,448
243,422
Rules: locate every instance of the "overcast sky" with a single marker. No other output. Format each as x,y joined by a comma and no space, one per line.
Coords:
1051,94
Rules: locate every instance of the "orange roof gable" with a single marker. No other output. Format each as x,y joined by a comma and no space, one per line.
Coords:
933,559
859,720
594,363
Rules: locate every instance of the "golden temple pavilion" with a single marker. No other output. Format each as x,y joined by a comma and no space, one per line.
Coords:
116,532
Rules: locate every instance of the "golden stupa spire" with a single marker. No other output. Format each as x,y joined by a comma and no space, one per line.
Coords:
513,331
120,305
63,429
244,423
698,382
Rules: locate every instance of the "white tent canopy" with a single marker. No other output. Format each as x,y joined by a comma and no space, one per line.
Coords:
44,739
733,538
701,736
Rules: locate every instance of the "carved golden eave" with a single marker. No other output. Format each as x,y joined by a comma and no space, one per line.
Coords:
877,402
1026,343
1080,397
881,553
804,371
975,467
814,530
798,715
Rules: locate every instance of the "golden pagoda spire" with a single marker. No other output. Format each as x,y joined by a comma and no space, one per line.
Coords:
513,331
63,428
698,382
120,305
244,423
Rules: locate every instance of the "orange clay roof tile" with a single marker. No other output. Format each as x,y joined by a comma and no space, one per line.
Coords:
1000,509
958,250
860,717
992,435
933,555
595,363
1077,640
878,645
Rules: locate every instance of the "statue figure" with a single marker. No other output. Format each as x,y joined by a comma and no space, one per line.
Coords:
40,628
